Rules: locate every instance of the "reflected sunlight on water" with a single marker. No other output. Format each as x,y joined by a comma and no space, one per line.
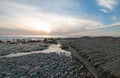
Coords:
52,49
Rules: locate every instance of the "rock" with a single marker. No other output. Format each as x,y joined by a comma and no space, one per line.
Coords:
40,65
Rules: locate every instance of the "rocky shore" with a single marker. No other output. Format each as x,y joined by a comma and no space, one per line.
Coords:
42,65
7,48
99,54
24,45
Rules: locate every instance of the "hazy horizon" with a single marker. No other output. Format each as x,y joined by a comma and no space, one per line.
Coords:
60,17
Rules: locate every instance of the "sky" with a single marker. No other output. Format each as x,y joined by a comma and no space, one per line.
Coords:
60,17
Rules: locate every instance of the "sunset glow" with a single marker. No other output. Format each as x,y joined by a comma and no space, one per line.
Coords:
43,27
37,25
60,17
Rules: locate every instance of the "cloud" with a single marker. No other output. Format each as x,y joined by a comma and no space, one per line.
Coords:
116,24
104,10
26,17
106,30
9,31
108,26
109,4
114,18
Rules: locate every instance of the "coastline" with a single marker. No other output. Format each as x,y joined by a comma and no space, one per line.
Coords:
86,55
100,55
48,65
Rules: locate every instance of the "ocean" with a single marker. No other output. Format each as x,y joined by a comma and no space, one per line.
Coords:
11,37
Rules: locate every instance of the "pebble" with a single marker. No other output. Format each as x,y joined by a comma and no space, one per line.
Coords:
41,65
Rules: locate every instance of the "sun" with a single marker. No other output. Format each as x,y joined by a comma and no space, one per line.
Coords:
42,27
39,26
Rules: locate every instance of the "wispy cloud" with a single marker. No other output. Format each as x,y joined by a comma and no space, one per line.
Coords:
27,17
24,18
108,26
104,10
100,31
107,4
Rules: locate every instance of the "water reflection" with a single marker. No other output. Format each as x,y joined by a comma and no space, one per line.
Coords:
51,49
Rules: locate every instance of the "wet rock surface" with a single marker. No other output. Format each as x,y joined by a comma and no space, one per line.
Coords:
42,65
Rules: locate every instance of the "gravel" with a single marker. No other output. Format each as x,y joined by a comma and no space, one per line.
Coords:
42,65
6,48
101,52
